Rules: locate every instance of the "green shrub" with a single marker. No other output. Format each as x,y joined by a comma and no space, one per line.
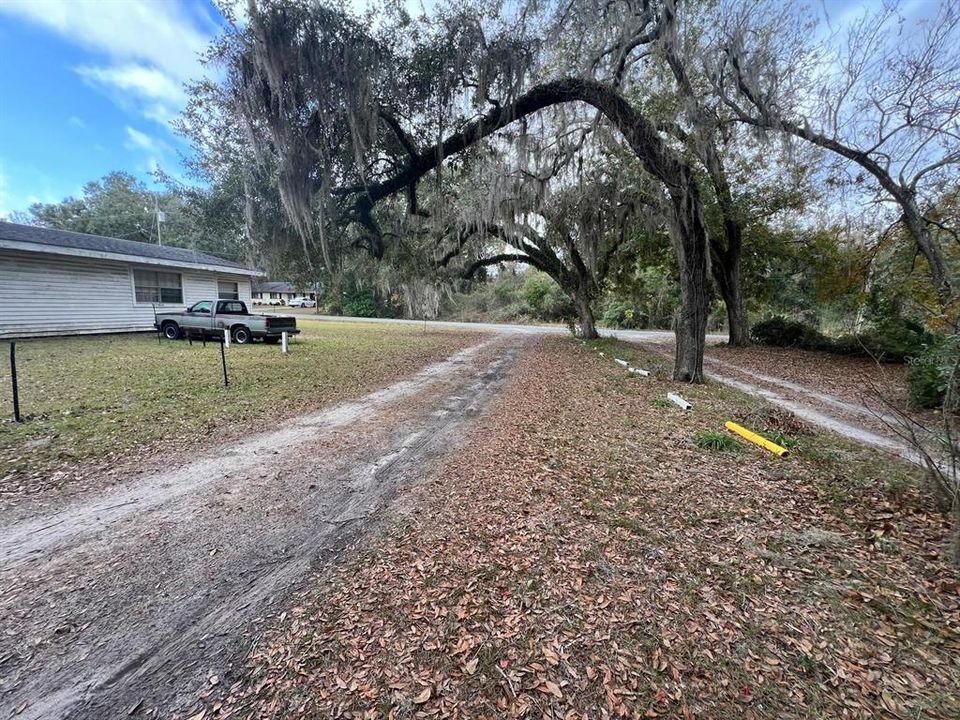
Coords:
779,331
927,376
618,314
535,289
892,339
360,304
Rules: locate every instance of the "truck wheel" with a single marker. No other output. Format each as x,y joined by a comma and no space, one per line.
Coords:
241,335
170,330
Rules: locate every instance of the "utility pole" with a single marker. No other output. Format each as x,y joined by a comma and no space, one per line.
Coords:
161,217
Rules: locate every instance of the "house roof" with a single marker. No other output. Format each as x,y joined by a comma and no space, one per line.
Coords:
277,286
62,242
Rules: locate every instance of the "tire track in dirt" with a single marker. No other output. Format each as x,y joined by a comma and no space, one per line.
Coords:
856,422
138,597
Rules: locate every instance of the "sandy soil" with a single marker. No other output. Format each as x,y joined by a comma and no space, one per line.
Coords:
129,600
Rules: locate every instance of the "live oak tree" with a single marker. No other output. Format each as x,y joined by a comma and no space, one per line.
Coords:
699,127
567,212
355,117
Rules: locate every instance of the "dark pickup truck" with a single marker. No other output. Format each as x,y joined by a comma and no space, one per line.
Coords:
211,316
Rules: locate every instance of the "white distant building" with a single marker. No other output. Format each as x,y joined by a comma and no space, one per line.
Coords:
54,282
278,292
270,292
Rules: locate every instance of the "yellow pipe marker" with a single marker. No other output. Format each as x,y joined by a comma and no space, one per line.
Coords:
757,439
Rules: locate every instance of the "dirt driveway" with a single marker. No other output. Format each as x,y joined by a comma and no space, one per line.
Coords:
128,601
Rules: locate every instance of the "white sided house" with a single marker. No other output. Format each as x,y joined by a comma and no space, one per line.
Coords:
54,282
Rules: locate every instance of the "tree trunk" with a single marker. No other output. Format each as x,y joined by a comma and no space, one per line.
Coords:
726,274
588,328
726,255
691,324
927,245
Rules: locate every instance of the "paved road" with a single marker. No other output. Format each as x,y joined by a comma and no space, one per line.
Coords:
130,600
650,336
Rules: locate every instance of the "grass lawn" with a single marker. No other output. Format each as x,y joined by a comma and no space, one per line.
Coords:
90,402
587,555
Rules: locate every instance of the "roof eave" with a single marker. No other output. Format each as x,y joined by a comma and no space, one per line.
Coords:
44,249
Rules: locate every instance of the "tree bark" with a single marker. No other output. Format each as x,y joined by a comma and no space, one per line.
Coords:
726,255
691,324
588,327
726,274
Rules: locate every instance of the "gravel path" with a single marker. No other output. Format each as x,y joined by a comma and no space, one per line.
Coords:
130,600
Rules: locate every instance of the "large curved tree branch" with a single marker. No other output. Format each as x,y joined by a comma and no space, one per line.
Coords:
472,269
686,215
642,136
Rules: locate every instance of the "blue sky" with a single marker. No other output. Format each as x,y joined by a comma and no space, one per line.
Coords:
90,86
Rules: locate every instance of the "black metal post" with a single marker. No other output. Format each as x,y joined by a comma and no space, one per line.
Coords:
13,381
223,360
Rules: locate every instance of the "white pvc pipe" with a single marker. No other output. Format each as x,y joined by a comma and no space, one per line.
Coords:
638,371
283,337
673,397
226,337
618,361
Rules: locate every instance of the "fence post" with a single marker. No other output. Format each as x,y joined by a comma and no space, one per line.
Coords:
283,335
13,381
223,356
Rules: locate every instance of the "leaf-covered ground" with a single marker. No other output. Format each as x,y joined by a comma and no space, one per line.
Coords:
581,557
90,403
855,380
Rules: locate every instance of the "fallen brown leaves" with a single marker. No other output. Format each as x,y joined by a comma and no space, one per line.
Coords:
580,557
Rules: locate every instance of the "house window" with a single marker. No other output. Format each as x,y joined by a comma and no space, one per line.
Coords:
228,290
151,286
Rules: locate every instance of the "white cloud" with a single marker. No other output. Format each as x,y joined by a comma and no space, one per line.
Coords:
149,90
156,152
157,32
152,46
77,122
147,82
154,149
137,140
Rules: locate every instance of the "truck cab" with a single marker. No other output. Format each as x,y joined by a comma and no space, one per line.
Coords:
211,317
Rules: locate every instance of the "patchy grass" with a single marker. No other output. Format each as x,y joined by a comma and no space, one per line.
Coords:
581,558
713,440
781,439
91,402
